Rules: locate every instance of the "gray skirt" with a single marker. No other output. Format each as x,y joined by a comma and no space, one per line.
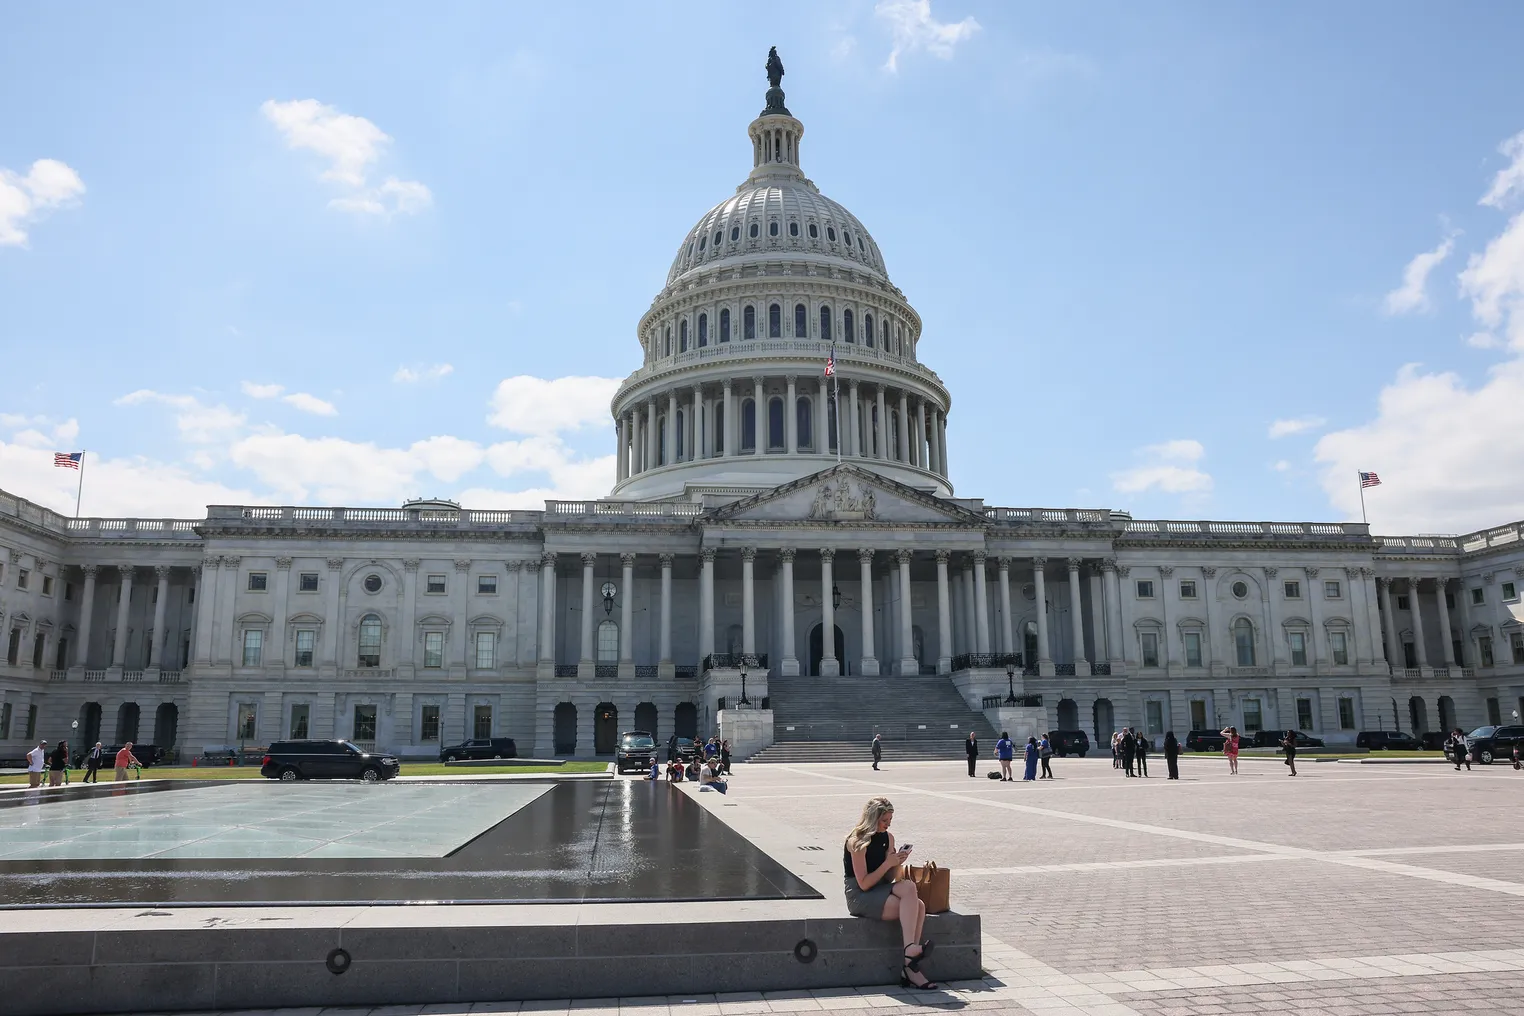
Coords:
867,902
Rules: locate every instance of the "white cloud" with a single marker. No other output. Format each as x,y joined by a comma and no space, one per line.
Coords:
433,372
48,184
350,144
258,391
913,28
304,401
1170,467
1284,428
1413,294
1494,281
1509,181
532,405
198,423
133,486
1282,466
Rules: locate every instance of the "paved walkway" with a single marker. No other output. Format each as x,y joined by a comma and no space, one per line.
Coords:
1345,891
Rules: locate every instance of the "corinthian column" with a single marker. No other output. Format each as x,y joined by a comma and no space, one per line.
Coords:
869,667
124,605
1040,588
789,667
587,656
981,605
748,601
829,665
909,665
1077,619
161,600
627,616
944,617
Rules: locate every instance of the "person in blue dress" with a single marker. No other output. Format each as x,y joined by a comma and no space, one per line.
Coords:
1031,758
1005,751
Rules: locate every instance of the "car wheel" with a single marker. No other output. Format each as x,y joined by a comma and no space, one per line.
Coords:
1486,757
370,774
1081,754
497,758
449,758
289,775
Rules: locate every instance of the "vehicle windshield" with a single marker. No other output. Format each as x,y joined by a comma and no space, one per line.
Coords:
639,741
1483,731
351,746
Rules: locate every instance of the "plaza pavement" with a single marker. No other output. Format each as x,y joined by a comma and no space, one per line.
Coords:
1348,890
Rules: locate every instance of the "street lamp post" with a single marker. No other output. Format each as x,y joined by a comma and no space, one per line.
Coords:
744,700
1010,684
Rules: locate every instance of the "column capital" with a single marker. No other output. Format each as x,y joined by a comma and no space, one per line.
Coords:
1383,583
827,553
227,562
1123,570
548,560
1003,561
281,564
758,380
1271,573
748,553
335,563
942,556
1353,573
727,383
786,555
589,558
1074,563
1039,562
627,560
980,557
791,379
904,554
665,559
1108,564
410,564
127,570
162,570
1413,583
1209,573
462,564
1312,573
533,564
1166,570
514,565
707,555
852,384
91,569
865,554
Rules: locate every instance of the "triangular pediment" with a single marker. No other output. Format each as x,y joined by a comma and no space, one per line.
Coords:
848,493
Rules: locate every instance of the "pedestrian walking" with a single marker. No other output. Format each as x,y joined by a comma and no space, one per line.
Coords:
1129,749
878,750
671,748
1142,754
58,764
725,758
1172,754
1005,751
1045,754
34,762
1457,748
1289,744
93,764
125,758
1030,754
1230,748
972,747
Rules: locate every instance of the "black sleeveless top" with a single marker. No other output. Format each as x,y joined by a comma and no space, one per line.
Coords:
877,852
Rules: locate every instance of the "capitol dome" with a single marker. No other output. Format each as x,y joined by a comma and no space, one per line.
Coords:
769,284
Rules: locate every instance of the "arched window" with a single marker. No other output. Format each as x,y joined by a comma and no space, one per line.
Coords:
801,322
703,330
735,233
1243,641
719,234
608,641
681,430
847,237
775,424
703,243
772,229
814,232
370,641
831,423
774,322
719,431
868,330
661,441
754,230
667,343
804,423
682,336
793,229
847,331
831,233
725,325
886,335
748,425
749,323
825,323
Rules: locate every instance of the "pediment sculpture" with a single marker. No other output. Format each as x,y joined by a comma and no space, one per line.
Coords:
838,502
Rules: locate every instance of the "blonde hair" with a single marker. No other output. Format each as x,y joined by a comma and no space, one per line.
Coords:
867,825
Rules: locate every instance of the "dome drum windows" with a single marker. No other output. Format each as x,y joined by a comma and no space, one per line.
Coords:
848,334
735,233
703,330
749,323
774,322
868,330
825,323
682,332
801,321
775,424
667,343
814,232
754,231
793,229
804,423
772,229
725,325
748,425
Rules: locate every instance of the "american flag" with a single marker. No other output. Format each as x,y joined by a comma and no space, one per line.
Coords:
1369,480
67,460
831,365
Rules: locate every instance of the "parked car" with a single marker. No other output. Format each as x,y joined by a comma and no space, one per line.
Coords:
1392,740
1069,742
326,760
637,750
1206,740
1487,744
480,747
1433,740
148,754
1273,739
687,749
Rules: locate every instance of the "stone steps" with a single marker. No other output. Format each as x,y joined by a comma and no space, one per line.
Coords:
800,752
835,718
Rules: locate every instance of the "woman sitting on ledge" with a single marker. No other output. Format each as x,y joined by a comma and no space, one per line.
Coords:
871,863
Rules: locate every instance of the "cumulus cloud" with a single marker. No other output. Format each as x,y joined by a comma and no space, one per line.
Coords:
304,401
24,200
1509,181
913,28
532,405
412,375
350,145
131,486
1170,467
1413,294
1285,428
197,422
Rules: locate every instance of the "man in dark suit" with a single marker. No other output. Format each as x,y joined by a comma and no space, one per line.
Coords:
93,764
972,747
878,750
1129,748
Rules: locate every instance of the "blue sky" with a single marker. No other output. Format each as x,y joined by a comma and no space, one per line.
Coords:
1189,260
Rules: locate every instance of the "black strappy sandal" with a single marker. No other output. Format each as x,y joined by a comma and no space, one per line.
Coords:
906,982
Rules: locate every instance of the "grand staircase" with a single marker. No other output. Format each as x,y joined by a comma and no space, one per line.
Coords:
833,719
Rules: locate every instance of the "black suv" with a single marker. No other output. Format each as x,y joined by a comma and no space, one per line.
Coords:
1489,744
148,754
480,747
637,750
1273,739
326,760
1209,740
1393,740
1069,742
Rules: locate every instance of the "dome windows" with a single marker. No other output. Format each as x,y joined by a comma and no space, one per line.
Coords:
831,233
847,331
793,229
868,330
719,234
755,229
814,232
667,343
703,330
725,325
775,322
703,243
801,320
825,323
846,237
772,229
749,323
682,336
860,244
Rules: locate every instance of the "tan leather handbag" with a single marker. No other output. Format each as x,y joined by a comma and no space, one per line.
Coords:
932,884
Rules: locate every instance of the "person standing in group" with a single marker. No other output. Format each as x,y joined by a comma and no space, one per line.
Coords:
1142,743
1230,748
93,764
671,747
1171,755
34,763
1030,756
58,764
1045,754
1129,747
878,750
971,746
1288,744
1005,751
1458,753
125,758
1116,749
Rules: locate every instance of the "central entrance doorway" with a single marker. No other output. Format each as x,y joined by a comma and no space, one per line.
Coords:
605,729
817,649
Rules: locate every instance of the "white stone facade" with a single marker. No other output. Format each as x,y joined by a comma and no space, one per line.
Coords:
730,545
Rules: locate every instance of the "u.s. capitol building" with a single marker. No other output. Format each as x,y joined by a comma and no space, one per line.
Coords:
743,537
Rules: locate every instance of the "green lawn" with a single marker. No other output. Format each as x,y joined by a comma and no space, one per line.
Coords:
408,769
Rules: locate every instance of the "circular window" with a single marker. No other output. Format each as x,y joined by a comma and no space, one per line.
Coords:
372,583
754,231
1240,589
793,229
814,232
831,233
735,233
608,590
772,229
1029,591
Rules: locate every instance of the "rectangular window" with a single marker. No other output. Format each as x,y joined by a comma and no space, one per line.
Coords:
306,642
1193,649
481,721
1154,711
13,648
253,646
1409,656
1145,589
258,581
486,585
1253,718
428,725
436,584
39,643
1332,590
22,577
61,662
1187,589
1449,601
47,585
1340,646
1402,603
190,594
1510,591
1494,712
68,592
1298,642
31,722
1150,649
365,723
1346,714
248,715
1478,597
1293,590
1198,714
486,645
1516,641
1304,714
299,713
5,722
306,582
433,649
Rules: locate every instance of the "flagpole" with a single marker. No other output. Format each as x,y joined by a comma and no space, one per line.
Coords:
1360,482
836,398
79,491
